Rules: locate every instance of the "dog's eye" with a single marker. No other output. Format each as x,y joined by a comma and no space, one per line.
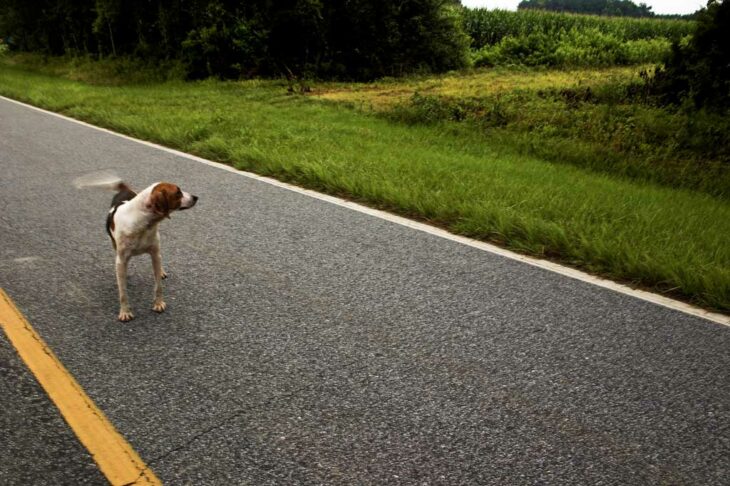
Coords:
178,193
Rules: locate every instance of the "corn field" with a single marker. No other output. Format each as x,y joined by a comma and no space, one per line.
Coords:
540,38
489,27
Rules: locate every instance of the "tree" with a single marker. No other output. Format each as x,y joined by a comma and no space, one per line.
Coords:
47,26
700,71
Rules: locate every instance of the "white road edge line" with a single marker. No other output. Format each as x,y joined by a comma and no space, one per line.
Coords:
488,247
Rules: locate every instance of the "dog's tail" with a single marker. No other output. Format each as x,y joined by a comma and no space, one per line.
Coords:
101,180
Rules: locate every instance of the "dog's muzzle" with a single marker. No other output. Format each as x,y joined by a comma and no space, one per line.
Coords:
193,201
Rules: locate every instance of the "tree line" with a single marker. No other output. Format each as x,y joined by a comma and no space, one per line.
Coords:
356,39
618,8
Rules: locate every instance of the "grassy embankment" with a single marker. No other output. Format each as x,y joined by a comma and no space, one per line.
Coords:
489,187
595,119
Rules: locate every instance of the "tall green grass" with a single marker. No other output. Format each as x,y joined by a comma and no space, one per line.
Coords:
594,129
532,38
663,238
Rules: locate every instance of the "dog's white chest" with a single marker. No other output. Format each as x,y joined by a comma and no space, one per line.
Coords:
133,234
140,242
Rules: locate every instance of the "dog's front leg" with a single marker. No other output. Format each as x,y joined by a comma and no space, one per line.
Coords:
159,304
125,313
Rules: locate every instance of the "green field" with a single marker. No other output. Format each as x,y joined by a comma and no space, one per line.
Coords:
487,181
487,27
540,38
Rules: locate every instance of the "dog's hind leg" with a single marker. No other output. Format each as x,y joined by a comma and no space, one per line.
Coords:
159,304
125,313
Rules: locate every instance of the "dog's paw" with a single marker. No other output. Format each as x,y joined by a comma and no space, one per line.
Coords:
159,306
164,274
125,315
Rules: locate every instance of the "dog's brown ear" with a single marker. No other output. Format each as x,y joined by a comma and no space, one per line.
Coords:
160,200
165,198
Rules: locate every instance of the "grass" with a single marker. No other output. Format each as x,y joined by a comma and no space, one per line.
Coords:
384,94
668,239
584,117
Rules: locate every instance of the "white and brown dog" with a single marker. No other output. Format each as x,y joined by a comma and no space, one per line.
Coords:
132,224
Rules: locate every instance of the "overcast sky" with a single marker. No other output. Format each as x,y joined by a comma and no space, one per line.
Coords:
658,6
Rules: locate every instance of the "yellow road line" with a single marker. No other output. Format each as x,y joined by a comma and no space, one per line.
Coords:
112,453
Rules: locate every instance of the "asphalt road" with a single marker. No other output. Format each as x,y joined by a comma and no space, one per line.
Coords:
37,446
305,343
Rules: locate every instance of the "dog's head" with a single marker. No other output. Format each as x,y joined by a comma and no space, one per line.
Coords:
166,198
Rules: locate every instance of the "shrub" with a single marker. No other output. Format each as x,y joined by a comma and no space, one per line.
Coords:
698,70
223,44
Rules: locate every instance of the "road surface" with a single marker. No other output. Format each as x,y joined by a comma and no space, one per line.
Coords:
306,343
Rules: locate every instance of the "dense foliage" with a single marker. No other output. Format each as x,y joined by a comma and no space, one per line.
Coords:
700,70
533,38
596,7
356,38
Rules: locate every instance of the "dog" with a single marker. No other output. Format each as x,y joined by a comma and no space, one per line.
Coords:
132,224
